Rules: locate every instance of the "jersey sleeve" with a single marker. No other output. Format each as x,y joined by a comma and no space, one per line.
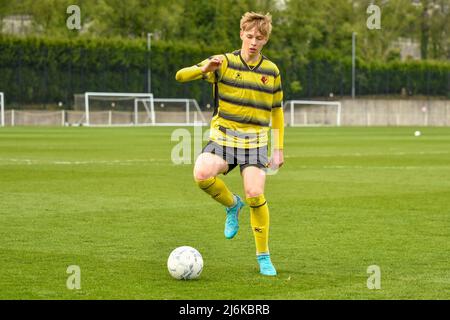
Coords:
189,74
278,114
277,93
278,127
195,72
215,76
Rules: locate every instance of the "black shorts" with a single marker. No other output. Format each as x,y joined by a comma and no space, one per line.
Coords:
256,157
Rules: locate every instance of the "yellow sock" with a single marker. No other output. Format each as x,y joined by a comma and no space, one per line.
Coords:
217,189
259,219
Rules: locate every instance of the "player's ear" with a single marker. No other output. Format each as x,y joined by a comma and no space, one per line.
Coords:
242,35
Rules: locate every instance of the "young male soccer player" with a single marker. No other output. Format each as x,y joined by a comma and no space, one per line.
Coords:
248,96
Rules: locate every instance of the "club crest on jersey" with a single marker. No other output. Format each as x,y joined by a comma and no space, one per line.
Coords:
264,79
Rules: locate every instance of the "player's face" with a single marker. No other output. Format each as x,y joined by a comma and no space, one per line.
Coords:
252,42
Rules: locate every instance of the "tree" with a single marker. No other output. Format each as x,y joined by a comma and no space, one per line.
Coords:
301,27
435,29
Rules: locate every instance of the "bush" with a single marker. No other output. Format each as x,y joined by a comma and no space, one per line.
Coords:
46,71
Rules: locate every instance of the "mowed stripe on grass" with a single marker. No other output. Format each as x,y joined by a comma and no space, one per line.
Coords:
111,201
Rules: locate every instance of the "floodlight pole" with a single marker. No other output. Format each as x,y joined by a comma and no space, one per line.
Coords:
353,63
149,70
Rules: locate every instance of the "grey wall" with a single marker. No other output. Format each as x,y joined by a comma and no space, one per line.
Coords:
358,112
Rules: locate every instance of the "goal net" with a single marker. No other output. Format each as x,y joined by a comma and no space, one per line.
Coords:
314,113
2,109
137,109
178,112
118,109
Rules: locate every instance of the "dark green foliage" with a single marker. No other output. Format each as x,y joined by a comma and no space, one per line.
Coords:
46,71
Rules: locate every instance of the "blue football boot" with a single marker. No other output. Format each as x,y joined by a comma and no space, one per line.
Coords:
232,223
265,265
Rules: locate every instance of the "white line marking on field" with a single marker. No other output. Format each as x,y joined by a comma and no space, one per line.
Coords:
371,167
357,154
86,162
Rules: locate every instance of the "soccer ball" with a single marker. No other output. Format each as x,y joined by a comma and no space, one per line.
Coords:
185,263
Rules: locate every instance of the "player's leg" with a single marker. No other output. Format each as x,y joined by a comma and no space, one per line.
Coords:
207,167
254,179
210,164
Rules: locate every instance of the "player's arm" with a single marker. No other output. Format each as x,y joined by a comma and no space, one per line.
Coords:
277,116
204,70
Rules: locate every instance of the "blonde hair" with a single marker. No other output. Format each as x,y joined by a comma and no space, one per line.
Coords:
262,22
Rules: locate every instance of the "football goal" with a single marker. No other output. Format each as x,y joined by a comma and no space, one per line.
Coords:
122,109
314,113
2,109
178,112
139,109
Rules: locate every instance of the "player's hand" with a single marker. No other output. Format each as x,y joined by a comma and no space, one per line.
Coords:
212,65
277,159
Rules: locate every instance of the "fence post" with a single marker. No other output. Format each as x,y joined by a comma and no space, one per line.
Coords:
292,113
2,106
448,113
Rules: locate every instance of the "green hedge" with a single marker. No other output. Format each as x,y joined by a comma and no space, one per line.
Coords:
46,71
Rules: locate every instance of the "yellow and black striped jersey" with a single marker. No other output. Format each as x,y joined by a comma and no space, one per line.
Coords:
245,96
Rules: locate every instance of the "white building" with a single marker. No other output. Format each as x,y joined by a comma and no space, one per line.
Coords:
17,24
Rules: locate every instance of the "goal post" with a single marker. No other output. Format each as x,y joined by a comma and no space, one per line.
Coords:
2,109
314,113
178,112
134,99
149,108
138,109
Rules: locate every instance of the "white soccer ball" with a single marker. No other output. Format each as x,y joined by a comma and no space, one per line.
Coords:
417,133
185,263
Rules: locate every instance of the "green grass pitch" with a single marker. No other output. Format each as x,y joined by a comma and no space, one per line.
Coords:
110,201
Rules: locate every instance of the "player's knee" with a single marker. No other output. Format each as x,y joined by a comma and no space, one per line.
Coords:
204,180
202,174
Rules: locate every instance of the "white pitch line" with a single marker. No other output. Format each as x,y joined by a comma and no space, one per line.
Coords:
357,154
373,167
87,162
